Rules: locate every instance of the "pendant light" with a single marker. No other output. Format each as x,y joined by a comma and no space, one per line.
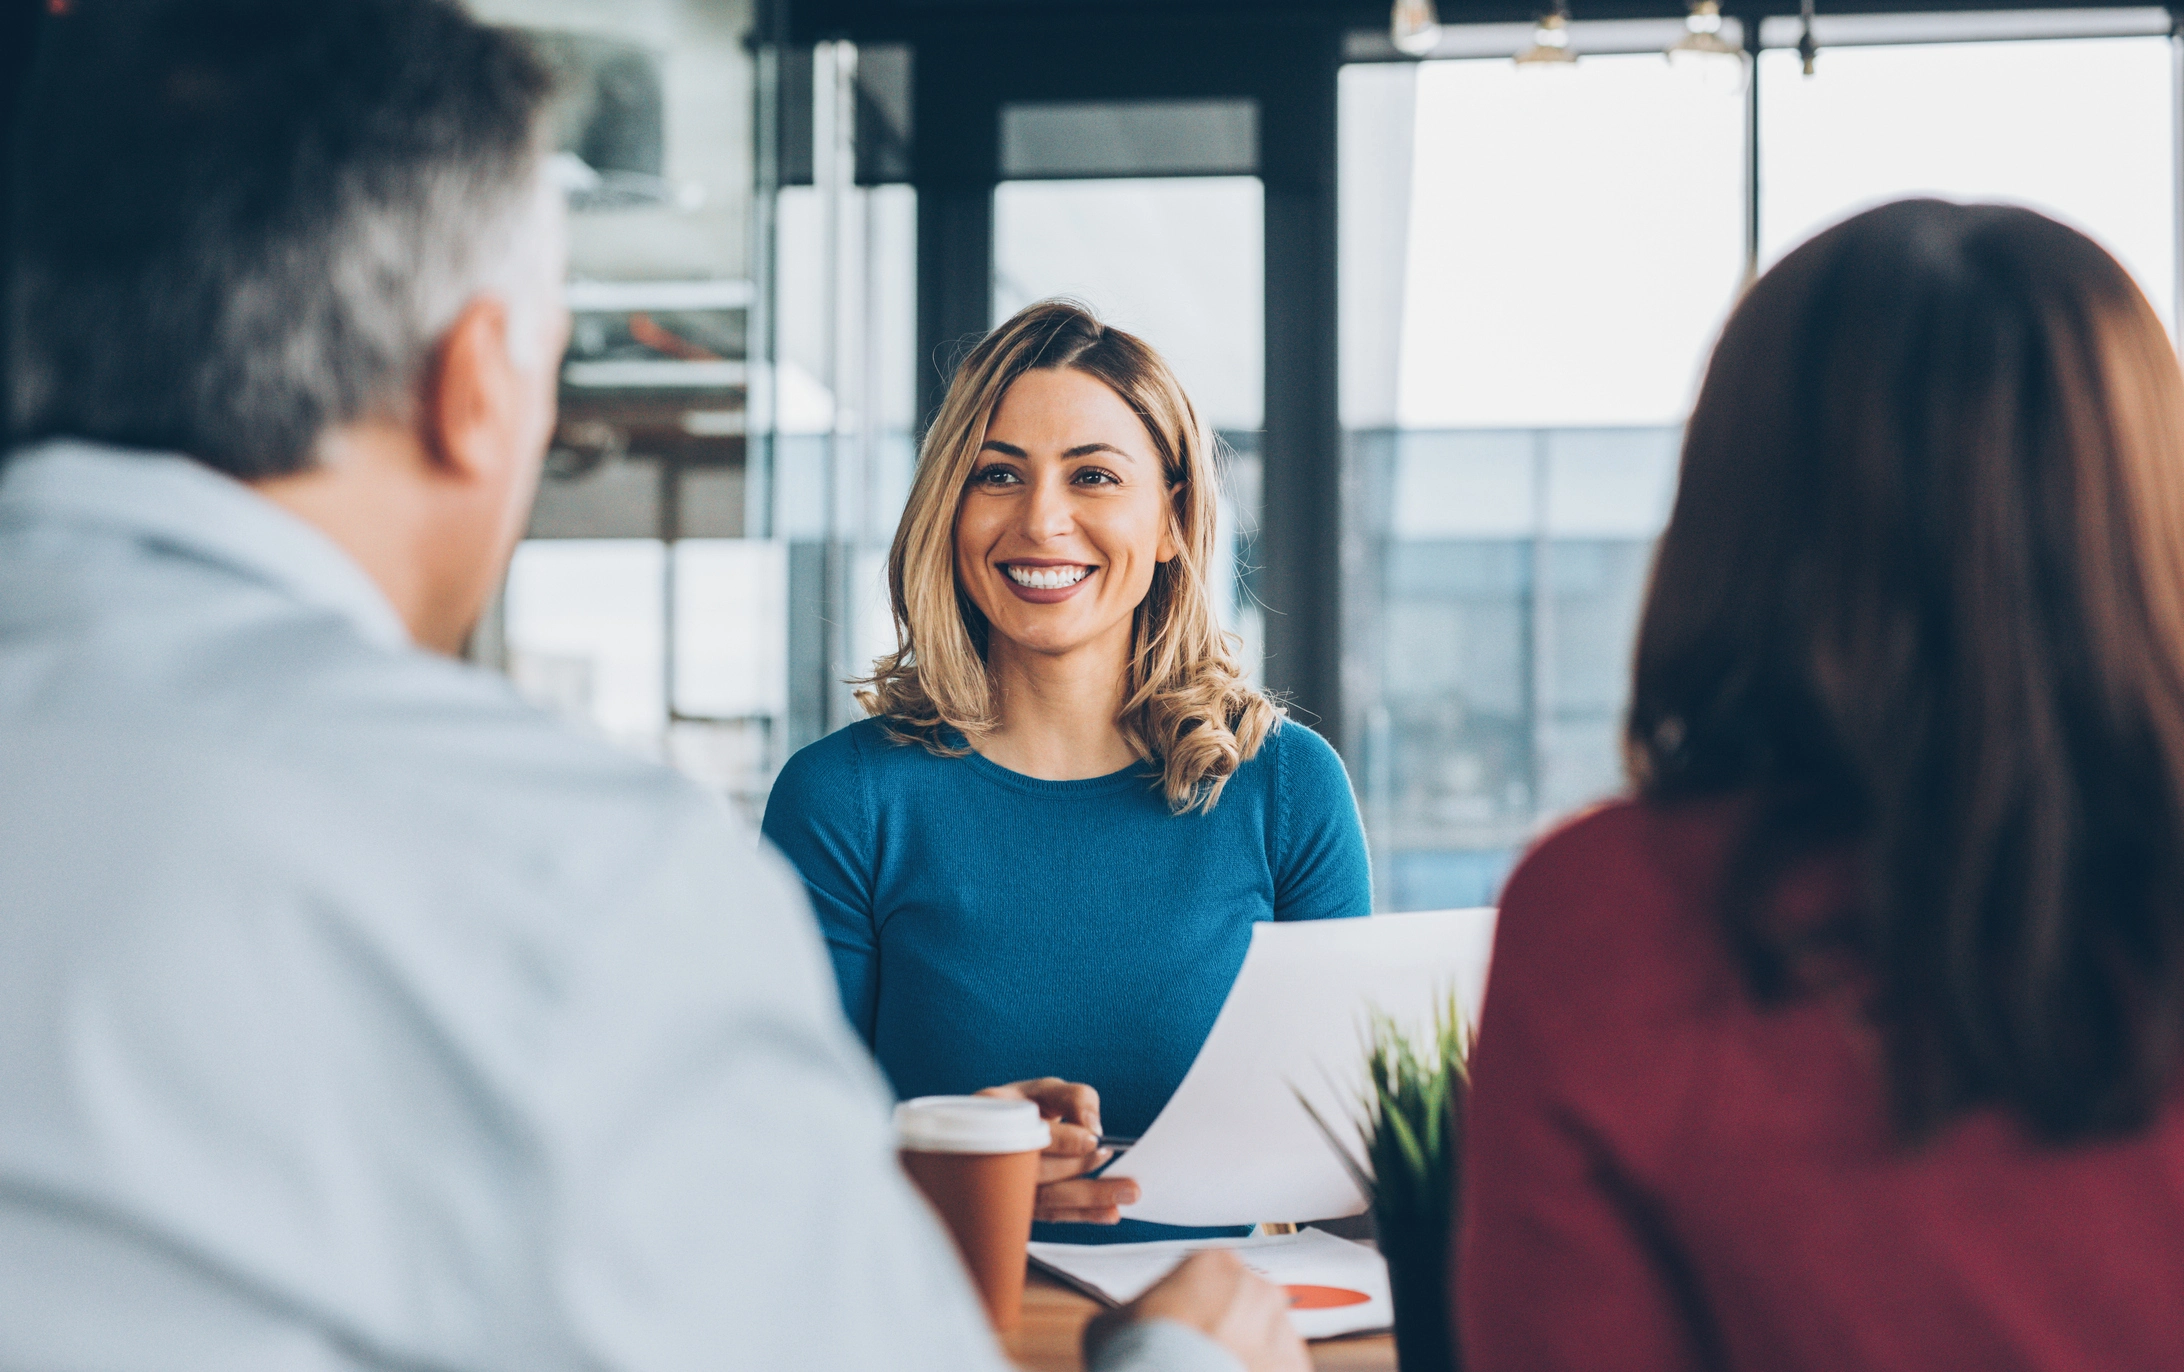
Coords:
1704,53
1414,27
1550,50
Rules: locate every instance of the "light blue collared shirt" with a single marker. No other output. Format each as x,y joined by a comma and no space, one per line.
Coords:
353,1014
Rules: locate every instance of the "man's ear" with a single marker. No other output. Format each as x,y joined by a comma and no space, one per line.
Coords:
471,394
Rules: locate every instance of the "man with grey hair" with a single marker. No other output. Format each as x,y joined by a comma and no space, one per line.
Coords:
352,1014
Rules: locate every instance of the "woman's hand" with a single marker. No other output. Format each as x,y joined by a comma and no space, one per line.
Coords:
1066,1195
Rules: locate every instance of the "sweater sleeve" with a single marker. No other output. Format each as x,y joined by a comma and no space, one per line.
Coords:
820,816
1320,867
1561,1261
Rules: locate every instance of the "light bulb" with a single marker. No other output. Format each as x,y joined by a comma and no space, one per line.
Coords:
1704,53
1550,44
1414,27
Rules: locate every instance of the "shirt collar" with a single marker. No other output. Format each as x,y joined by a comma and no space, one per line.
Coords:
174,500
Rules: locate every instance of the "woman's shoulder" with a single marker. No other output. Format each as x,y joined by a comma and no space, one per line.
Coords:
865,749
831,757
1622,886
1601,854
1289,743
840,770
1299,761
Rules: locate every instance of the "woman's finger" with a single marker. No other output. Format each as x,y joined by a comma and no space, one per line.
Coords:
1070,1101
1110,1215
1073,1102
1091,1193
1054,1167
1071,1140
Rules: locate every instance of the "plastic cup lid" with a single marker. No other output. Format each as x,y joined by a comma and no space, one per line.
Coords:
970,1124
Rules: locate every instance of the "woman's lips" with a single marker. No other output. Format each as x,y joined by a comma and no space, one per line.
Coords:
1046,585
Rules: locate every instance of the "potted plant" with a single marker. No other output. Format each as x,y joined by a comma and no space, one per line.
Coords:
1410,1121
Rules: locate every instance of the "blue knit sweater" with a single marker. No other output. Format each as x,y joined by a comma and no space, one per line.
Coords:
987,926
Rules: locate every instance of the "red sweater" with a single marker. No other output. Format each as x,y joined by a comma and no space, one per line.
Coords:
1663,1176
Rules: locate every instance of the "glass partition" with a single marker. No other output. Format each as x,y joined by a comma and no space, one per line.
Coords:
704,570
1534,264
1534,331
613,613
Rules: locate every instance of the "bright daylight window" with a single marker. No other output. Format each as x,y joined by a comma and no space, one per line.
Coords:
1534,265
704,567
2083,129
586,628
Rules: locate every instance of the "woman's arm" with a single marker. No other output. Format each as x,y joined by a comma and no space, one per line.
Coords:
1320,867
1562,1262
819,815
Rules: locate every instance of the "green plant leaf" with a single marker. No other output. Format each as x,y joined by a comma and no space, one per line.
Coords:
1407,1118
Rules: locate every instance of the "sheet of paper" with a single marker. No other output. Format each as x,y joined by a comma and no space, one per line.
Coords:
1336,1286
1233,1145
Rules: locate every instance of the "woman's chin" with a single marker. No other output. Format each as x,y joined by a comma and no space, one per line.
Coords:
1049,639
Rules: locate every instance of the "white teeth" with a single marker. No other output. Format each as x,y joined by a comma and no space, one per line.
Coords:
1046,578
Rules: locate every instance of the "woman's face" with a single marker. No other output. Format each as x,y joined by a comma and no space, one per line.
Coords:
1065,516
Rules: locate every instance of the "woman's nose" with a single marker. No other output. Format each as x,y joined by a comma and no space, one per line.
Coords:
1047,514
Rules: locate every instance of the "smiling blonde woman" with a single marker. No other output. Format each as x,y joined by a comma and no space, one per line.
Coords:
1043,855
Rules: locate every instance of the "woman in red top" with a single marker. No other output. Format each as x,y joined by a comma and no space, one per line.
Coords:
1852,1041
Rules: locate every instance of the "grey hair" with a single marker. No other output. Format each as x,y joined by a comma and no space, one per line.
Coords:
291,205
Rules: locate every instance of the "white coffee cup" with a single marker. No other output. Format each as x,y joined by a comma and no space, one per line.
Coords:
970,1124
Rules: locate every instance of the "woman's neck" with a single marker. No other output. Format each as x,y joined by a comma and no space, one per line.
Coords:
1058,712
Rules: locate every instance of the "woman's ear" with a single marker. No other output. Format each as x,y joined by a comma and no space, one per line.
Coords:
1170,544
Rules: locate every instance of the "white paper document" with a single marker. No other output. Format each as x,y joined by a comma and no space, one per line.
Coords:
1233,1145
1335,1286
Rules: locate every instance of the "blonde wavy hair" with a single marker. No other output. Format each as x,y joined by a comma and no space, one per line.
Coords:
1186,705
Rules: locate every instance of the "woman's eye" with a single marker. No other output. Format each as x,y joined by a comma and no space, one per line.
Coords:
995,475
1094,476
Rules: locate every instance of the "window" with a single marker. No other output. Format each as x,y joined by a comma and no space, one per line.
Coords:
1534,265
1516,368
636,604
585,632
2083,129
705,566
844,446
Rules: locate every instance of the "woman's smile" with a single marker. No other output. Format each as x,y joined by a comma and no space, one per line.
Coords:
1046,583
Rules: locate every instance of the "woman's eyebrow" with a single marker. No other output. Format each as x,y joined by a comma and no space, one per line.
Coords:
1081,450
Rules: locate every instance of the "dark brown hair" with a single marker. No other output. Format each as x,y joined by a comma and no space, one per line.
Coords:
1923,595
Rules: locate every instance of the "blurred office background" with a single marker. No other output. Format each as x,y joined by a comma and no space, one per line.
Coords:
1447,308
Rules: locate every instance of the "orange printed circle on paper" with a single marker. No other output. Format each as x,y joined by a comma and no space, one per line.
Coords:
1323,1297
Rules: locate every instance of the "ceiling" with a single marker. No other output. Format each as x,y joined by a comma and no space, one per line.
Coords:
909,20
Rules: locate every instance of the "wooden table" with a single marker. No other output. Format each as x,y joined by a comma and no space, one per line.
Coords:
1051,1337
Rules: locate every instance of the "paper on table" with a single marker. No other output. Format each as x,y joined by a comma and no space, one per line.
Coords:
1233,1146
1120,1272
